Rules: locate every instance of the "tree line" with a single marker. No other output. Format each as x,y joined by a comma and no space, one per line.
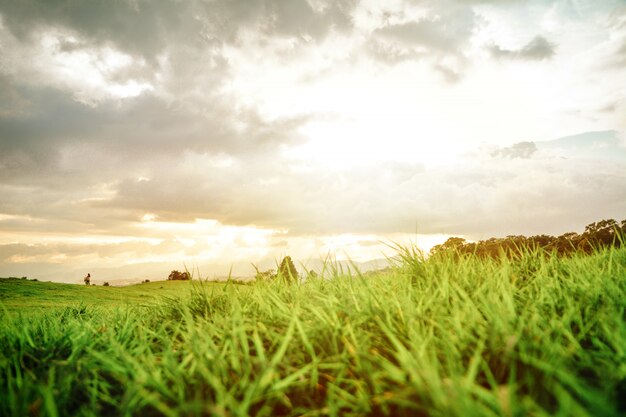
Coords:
596,235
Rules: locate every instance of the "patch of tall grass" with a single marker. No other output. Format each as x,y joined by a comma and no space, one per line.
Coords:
446,336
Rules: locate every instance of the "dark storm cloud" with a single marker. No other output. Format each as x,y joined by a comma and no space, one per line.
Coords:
539,48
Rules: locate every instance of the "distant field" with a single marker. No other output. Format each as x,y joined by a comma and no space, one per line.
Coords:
448,336
25,296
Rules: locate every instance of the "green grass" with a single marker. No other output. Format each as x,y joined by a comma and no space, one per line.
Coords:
32,297
540,336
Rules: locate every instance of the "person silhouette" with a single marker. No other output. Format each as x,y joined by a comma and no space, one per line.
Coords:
87,279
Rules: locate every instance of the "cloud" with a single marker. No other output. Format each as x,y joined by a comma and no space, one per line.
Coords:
538,49
519,192
435,32
96,71
80,169
101,50
53,132
141,28
147,28
439,34
617,59
165,123
519,150
85,169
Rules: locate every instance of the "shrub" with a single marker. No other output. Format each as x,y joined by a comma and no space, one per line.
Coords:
178,276
106,284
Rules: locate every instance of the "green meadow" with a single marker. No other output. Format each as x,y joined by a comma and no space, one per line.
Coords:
27,298
451,335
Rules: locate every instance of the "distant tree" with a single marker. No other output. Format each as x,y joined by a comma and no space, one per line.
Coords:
452,244
287,270
599,234
602,233
565,243
145,281
268,275
106,284
543,241
178,276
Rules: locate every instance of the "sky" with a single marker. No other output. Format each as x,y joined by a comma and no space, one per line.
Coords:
137,137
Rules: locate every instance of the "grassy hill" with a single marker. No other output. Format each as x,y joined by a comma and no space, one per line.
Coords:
448,336
29,297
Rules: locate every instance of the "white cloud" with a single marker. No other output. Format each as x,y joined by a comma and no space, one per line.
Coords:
231,131
59,58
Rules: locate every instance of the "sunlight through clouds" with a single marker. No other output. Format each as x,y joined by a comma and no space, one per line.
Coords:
138,136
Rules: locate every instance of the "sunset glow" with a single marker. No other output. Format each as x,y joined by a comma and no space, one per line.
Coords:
146,137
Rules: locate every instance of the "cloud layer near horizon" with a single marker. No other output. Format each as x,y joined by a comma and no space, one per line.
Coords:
285,123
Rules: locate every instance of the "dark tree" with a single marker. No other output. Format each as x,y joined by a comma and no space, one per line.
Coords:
287,270
602,233
178,276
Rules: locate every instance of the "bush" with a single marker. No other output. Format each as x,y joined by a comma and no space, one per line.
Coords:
178,276
106,284
145,281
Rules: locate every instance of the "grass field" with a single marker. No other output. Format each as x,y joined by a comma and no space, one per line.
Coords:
31,297
539,336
